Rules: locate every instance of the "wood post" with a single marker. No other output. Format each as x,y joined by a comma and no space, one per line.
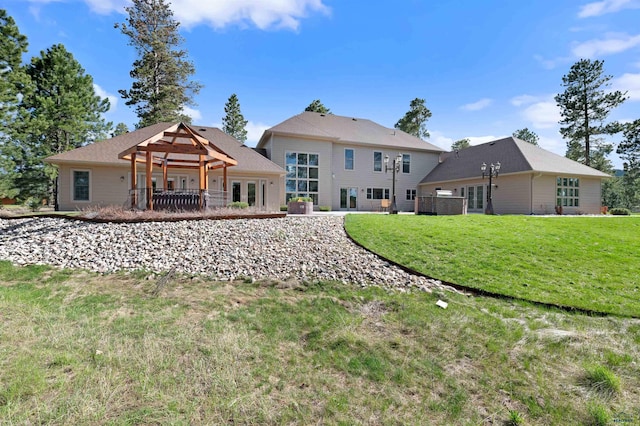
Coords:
134,182
224,183
149,183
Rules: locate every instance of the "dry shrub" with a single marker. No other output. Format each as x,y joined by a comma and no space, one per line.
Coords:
118,213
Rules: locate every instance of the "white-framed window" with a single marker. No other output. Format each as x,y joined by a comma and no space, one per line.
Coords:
377,193
349,159
568,192
377,161
302,179
411,194
81,184
406,163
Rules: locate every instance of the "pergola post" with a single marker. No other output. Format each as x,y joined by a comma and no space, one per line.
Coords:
224,183
202,175
149,183
134,182
165,176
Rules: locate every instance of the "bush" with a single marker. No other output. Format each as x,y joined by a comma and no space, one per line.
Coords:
284,208
620,211
325,208
305,199
238,205
33,203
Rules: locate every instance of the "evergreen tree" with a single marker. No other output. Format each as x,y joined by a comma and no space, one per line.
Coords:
414,121
13,83
120,129
317,106
60,113
161,87
233,123
460,144
527,136
629,150
584,107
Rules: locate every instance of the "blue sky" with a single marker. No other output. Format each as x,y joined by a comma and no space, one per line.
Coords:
485,68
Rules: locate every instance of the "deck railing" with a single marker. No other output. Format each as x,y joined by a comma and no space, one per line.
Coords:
176,199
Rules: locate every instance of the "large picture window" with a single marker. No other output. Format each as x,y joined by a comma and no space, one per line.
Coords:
568,192
348,159
302,175
80,185
377,161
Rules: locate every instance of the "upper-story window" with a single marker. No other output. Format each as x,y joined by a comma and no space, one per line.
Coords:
406,163
348,159
377,161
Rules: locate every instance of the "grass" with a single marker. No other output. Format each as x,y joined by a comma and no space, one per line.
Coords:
582,262
83,348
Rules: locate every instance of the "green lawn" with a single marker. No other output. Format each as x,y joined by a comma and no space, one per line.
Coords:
82,348
583,262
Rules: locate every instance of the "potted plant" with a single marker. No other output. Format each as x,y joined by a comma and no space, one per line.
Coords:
300,205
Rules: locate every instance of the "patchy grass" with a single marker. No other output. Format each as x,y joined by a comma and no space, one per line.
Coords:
582,262
82,348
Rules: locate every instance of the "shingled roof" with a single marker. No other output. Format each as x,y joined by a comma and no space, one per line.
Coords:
514,155
336,128
106,152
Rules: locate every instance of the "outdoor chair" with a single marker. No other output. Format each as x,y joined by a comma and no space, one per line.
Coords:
384,205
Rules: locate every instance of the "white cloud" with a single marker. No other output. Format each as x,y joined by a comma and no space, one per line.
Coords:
553,144
476,106
264,14
440,140
113,99
477,140
541,111
255,131
606,6
193,113
629,83
613,43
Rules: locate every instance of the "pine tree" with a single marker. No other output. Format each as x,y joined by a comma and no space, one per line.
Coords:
120,129
414,121
527,136
317,106
233,123
62,112
161,87
13,83
460,144
629,150
584,107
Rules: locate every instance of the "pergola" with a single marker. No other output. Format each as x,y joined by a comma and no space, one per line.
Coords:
177,147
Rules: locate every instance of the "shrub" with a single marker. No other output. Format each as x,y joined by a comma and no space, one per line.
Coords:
238,205
284,208
603,380
34,203
620,211
325,208
305,199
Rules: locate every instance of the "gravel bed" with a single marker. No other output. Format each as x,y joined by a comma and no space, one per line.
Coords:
298,248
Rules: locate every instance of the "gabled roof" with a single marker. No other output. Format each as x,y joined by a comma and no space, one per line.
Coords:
514,155
106,152
336,128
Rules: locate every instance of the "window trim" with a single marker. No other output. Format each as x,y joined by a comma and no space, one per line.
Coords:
353,159
385,193
411,194
571,185
73,186
381,162
408,163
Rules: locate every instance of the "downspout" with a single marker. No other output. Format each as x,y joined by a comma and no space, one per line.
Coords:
531,191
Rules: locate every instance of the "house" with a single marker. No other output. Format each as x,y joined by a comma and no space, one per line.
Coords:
183,160
531,180
340,161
